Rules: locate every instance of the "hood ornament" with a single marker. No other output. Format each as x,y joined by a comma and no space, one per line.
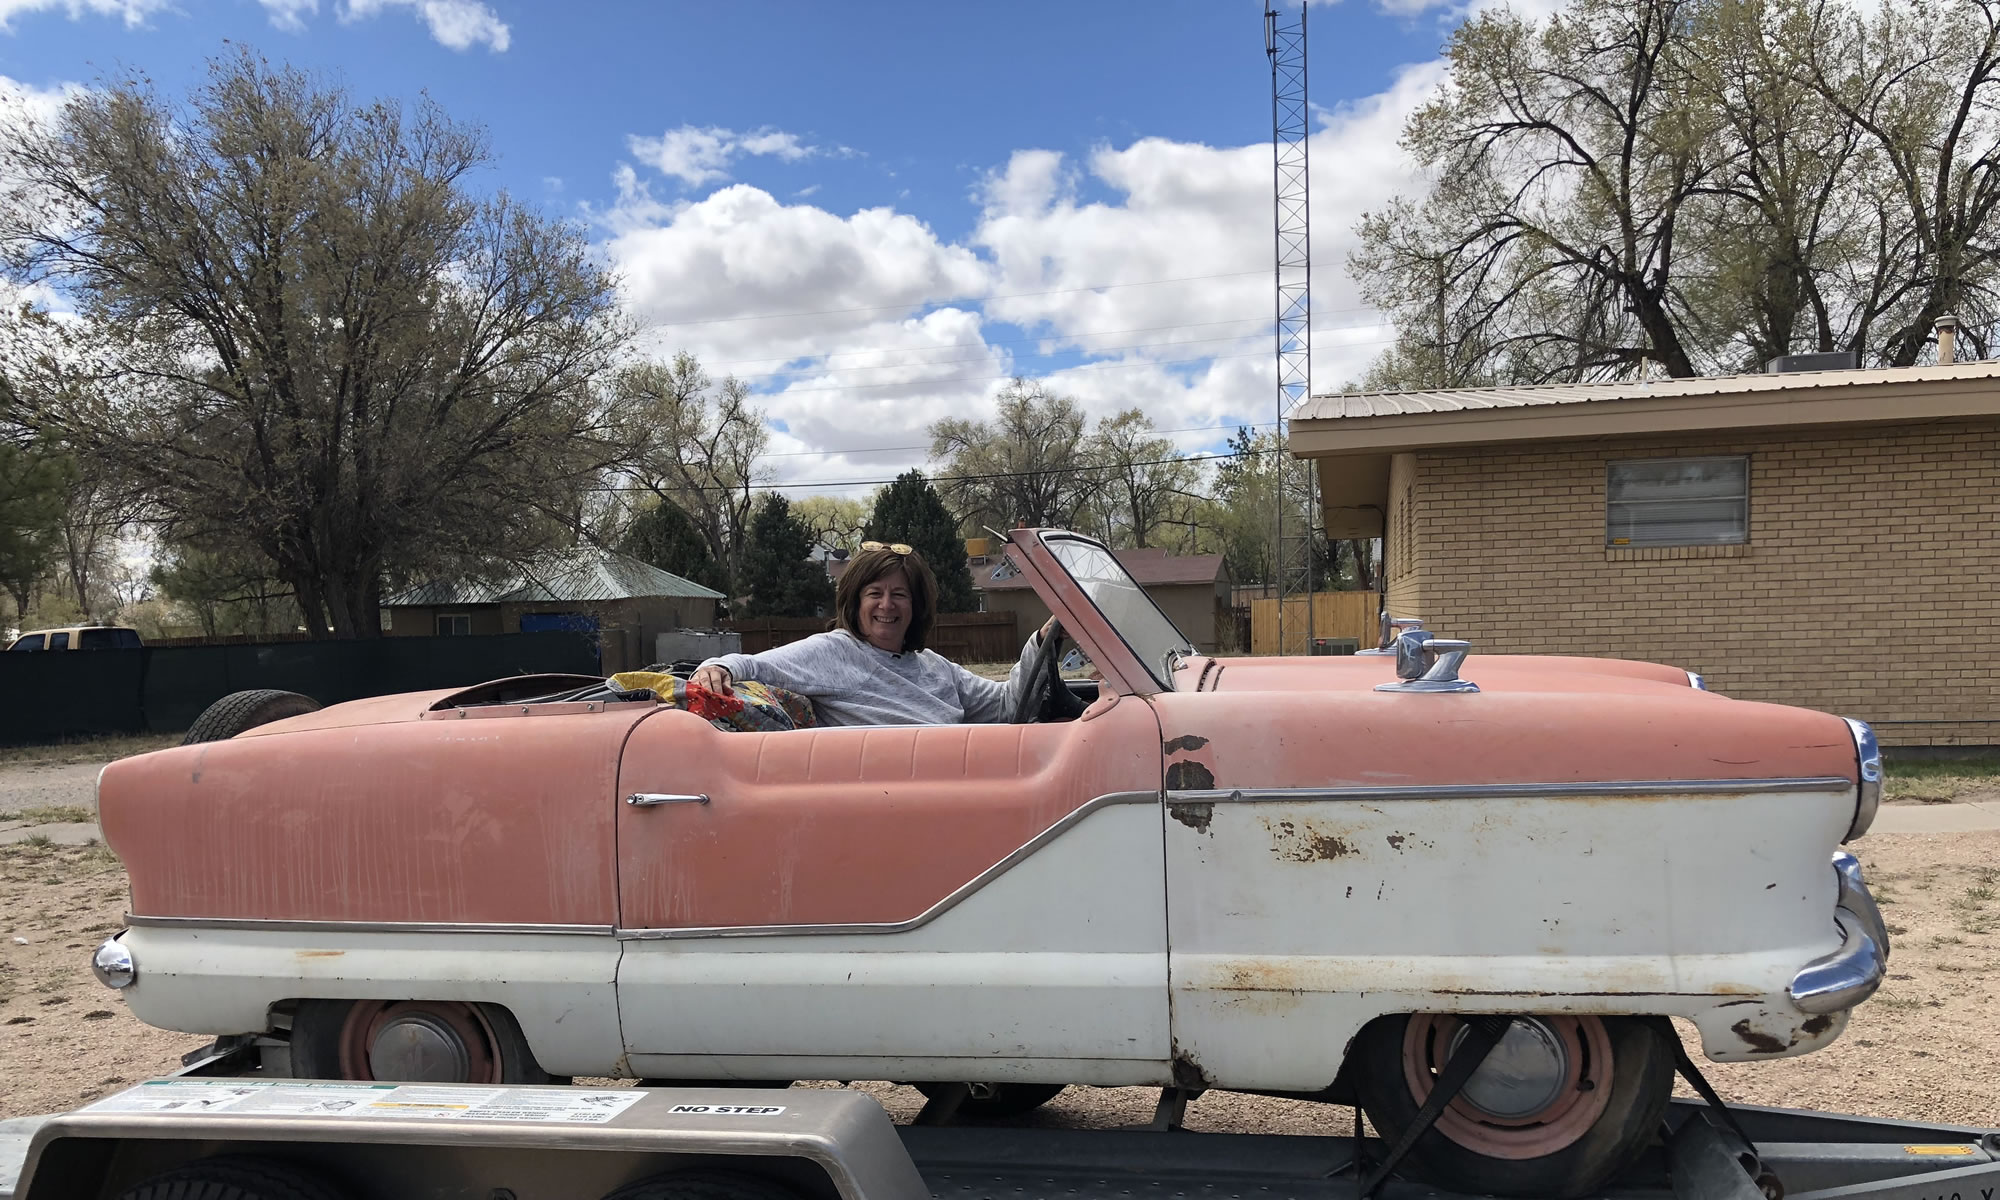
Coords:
1428,663
1391,627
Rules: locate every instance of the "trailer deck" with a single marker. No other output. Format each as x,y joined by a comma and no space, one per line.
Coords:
531,1143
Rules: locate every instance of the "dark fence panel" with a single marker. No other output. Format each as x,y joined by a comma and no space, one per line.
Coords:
960,637
62,693
52,695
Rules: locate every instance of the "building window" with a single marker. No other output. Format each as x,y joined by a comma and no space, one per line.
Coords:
1677,502
454,624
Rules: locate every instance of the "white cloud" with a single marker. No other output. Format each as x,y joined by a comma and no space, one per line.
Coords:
696,155
456,24
290,15
859,331
132,12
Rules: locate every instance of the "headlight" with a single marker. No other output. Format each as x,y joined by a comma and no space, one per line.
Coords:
1868,757
112,964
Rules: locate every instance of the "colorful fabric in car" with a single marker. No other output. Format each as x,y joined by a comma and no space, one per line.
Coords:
753,708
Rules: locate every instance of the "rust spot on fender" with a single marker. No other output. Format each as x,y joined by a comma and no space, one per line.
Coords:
1757,1039
1188,1073
1186,741
1194,816
1395,841
1189,777
1818,1025
1310,843
318,953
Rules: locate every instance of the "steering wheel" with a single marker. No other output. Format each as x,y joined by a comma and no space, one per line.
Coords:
1043,696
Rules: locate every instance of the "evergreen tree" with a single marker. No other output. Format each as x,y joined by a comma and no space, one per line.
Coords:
668,538
779,572
911,511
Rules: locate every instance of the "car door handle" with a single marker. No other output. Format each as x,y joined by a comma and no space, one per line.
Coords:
648,799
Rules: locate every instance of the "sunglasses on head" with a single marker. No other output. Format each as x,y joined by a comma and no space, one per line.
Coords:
891,547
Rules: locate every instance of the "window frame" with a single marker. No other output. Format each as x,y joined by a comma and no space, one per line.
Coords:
438,620
1610,505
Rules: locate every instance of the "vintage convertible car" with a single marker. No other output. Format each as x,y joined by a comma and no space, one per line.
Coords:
1301,875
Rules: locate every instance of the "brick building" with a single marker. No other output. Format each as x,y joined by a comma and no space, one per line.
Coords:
1829,539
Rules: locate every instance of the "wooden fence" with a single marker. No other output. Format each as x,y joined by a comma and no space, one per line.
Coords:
1334,614
961,637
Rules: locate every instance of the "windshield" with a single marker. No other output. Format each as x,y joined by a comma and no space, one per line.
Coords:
1124,603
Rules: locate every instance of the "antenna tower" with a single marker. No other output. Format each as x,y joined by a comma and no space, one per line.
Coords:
1285,45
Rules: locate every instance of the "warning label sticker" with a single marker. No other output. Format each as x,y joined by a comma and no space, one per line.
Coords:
730,1110
247,1097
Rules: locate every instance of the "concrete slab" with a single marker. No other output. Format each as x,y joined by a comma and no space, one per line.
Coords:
66,833
1964,816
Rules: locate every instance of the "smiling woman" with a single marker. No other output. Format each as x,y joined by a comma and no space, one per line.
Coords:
873,668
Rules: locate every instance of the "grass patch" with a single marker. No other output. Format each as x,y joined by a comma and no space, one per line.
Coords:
52,814
1941,780
1979,894
88,749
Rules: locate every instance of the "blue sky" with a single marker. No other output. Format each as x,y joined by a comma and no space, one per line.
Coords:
875,213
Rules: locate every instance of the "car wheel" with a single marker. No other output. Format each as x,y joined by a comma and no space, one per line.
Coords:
1561,1105
705,1185
233,1178
239,711
999,1099
411,1041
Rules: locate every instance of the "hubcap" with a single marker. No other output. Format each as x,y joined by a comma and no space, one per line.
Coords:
419,1047
1523,1075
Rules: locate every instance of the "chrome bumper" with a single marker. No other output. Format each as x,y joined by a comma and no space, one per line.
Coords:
1838,981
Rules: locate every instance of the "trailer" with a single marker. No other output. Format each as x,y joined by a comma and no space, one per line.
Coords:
200,1136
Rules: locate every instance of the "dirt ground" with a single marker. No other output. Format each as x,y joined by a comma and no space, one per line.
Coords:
1921,1049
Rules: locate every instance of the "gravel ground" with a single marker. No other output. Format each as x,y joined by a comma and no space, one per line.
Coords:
1920,1050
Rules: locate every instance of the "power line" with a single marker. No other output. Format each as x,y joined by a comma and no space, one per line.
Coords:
837,483
942,362
926,446
828,312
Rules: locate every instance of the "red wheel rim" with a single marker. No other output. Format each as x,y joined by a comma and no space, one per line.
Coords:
1578,1100
461,1026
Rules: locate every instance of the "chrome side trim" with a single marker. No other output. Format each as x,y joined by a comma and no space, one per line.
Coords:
1696,681
1868,762
257,924
923,918
1494,791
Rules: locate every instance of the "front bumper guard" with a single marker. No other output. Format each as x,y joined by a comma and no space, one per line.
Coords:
1838,981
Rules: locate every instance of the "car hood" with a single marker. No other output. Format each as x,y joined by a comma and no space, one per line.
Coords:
1361,672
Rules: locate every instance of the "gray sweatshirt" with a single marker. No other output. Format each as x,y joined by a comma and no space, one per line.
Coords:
853,683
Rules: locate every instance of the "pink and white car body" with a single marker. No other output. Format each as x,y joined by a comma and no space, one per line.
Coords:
1215,877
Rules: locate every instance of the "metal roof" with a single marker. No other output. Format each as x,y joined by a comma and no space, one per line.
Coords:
1395,404
565,577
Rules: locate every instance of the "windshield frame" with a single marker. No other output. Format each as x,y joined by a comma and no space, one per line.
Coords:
1161,672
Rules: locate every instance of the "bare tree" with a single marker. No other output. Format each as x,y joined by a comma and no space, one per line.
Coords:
695,444
1142,481
300,331
1027,467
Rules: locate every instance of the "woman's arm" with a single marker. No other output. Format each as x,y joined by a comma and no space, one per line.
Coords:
807,666
987,701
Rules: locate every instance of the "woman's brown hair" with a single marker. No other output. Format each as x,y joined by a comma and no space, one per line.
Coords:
871,565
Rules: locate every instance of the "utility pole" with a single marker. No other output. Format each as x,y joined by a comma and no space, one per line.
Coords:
1285,45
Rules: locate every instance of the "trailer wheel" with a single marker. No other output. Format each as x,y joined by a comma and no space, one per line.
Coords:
412,1041
239,711
1561,1105
999,1099
705,1185
231,1177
